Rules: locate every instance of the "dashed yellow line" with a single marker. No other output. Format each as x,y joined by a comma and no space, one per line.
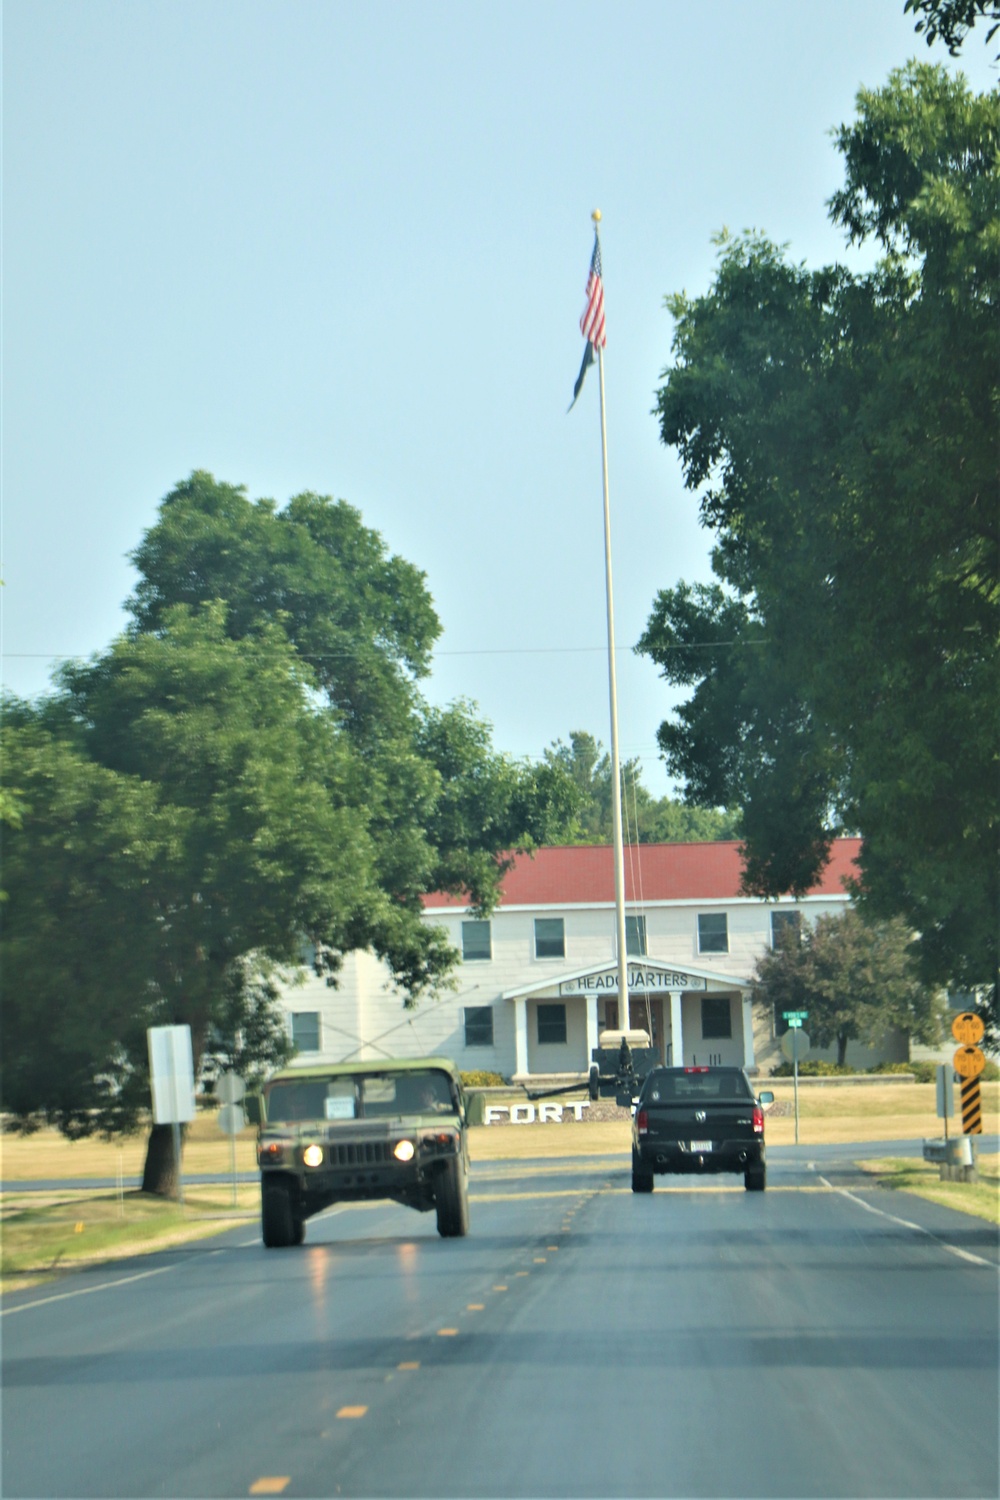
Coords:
350,1413
409,1364
271,1484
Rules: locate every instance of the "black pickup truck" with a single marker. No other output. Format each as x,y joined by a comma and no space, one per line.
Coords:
697,1120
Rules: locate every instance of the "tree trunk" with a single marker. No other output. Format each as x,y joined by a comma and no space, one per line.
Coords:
842,1040
161,1174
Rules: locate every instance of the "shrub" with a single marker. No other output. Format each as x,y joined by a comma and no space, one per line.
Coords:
813,1067
923,1072
483,1079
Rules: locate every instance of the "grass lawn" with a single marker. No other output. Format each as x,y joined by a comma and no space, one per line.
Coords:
981,1198
43,1235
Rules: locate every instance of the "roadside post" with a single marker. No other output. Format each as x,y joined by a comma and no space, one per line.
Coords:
230,1091
795,1045
945,1094
171,1076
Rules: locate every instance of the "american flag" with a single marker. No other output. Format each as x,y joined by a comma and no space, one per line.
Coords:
592,321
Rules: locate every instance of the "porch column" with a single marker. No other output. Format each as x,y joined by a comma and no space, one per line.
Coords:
592,1030
676,1032
749,1059
520,1036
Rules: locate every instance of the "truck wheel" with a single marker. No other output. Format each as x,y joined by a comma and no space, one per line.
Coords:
298,1230
642,1182
451,1199
755,1181
276,1218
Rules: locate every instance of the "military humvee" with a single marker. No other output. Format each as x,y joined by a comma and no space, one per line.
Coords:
354,1131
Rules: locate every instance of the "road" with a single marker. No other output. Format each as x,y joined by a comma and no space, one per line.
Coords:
820,1339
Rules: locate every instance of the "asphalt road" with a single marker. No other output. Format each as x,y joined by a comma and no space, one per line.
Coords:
820,1339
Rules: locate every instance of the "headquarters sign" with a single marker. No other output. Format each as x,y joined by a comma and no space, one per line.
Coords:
639,979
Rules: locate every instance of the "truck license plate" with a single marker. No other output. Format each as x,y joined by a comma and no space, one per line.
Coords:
701,1145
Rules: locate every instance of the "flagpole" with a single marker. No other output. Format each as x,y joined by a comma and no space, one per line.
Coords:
616,785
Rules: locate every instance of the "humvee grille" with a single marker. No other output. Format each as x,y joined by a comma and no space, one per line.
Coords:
360,1154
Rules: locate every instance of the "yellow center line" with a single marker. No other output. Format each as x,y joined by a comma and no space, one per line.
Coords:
447,1333
352,1411
271,1484
475,1306
409,1364
499,1288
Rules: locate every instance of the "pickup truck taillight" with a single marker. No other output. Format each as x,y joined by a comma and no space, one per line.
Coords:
758,1120
642,1122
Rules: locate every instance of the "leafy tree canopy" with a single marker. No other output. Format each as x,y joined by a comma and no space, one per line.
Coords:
843,432
646,819
952,20
248,771
857,980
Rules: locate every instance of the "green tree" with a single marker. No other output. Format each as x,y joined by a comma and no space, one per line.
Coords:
843,432
231,800
445,810
858,982
646,819
952,20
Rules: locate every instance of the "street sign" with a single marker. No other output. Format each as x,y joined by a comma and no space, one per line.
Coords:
171,1074
232,1119
230,1088
972,1109
795,1016
968,1028
945,1092
795,1044
969,1062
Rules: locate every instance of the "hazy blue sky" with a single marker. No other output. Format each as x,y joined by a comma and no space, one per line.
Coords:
343,247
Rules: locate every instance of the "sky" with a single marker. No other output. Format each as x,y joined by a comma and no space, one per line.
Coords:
342,247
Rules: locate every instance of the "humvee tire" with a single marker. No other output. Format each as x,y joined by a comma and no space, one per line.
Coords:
451,1200
277,1221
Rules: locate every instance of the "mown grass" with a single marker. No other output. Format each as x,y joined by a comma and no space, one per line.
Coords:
981,1198
42,1234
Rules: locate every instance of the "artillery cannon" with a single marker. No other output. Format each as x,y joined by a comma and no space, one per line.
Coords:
619,1064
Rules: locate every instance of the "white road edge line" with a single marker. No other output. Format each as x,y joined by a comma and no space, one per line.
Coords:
976,1260
83,1291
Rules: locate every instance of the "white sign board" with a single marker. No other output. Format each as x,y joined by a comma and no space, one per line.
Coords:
640,977
171,1074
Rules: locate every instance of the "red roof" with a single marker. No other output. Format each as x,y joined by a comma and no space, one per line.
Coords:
584,874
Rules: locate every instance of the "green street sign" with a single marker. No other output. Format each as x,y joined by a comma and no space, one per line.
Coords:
795,1016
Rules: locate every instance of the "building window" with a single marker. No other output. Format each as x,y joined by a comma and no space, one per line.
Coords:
635,936
305,1030
716,1017
713,933
782,922
479,1026
476,941
550,937
552,1024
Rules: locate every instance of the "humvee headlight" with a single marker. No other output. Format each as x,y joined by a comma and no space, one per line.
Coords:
403,1151
313,1156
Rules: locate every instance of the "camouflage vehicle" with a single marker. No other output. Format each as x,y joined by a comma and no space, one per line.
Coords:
349,1132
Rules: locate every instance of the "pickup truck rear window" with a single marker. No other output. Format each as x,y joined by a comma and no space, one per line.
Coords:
677,1087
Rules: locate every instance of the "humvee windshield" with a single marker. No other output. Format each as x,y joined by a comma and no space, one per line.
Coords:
360,1097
